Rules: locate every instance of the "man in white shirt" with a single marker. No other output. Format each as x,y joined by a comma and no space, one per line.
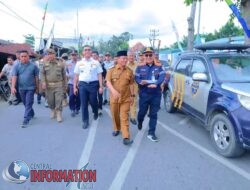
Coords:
87,82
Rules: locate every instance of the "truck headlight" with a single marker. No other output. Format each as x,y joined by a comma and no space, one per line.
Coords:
244,100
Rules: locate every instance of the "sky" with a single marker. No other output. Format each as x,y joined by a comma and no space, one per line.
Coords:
100,19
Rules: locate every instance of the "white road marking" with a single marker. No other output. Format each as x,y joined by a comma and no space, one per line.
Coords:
108,112
184,121
128,160
84,159
220,159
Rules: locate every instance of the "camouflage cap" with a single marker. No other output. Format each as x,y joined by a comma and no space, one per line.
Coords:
148,50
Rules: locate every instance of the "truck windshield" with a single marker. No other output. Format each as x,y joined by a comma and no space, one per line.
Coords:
232,69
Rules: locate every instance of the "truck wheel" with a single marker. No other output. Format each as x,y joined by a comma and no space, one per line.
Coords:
168,103
223,136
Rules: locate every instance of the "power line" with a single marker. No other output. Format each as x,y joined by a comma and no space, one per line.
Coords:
152,37
18,16
7,13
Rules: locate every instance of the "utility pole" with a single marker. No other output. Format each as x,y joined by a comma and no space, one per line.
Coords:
152,37
77,25
198,38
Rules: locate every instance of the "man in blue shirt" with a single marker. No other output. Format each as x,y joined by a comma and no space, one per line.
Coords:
149,77
26,73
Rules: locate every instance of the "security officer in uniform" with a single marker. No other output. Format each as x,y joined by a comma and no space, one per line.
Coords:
54,82
149,78
64,59
108,64
88,78
74,100
120,81
132,65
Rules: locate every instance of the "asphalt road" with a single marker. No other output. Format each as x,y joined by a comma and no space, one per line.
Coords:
182,159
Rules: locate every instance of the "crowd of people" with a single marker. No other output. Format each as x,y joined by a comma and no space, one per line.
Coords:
89,78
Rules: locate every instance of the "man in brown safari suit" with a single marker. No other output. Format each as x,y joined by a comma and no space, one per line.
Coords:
120,80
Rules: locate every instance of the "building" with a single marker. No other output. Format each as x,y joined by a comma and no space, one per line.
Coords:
10,49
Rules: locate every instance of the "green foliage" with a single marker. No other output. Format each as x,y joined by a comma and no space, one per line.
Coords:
189,2
228,30
183,43
114,44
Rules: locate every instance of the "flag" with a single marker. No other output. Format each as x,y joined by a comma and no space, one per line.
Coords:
177,35
41,45
45,11
50,38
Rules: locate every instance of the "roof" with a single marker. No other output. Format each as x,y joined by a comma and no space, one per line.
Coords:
4,42
137,47
222,46
232,40
13,48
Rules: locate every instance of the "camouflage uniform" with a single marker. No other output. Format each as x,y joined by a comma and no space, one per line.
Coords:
54,76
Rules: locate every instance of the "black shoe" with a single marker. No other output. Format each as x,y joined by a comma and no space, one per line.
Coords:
139,125
32,116
39,101
77,112
16,102
95,116
133,121
25,124
105,102
115,133
85,125
127,141
100,112
73,113
10,102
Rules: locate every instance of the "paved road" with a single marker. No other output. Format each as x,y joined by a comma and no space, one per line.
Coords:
183,158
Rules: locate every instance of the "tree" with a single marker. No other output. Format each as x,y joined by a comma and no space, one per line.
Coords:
244,6
245,10
115,43
190,20
228,30
183,43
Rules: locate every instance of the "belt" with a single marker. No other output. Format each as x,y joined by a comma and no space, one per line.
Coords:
54,83
89,82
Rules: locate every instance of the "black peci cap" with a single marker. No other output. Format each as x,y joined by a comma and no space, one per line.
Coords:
122,53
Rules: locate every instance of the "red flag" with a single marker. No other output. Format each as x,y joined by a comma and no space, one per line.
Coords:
45,10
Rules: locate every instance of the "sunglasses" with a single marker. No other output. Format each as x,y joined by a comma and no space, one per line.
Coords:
148,55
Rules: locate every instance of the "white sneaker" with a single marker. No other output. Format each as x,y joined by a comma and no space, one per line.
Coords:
152,138
100,112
